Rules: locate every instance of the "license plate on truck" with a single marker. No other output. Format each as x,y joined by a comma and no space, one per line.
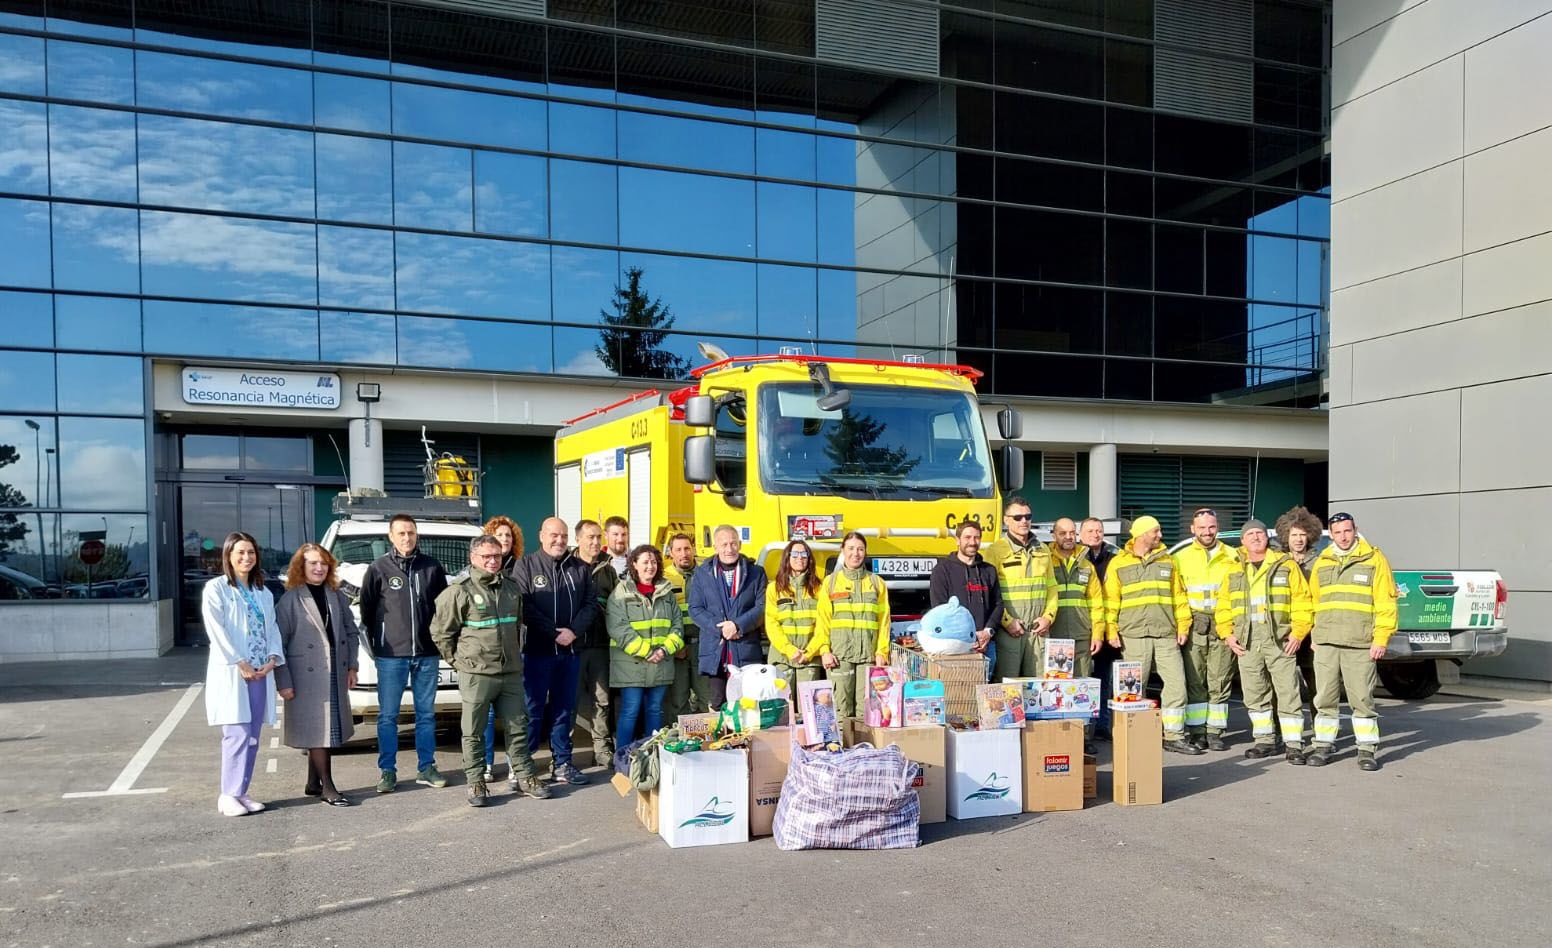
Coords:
903,565
446,677
1428,638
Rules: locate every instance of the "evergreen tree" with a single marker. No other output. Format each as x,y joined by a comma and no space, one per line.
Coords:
851,448
630,343
12,527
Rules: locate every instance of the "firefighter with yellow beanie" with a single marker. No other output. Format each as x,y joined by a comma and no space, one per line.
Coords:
1209,663
1148,618
1264,612
1029,598
1355,616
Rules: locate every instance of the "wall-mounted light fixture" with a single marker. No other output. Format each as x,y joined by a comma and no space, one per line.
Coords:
366,394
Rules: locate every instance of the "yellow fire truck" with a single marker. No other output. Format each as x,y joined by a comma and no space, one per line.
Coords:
798,446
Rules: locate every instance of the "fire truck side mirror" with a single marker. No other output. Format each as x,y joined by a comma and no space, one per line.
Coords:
700,463
1010,468
698,412
1010,424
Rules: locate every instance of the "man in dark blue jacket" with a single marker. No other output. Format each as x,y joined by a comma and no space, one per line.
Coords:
559,605
727,603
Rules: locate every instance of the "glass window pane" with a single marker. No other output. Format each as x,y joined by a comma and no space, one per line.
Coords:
581,64
461,47
110,18
785,154
30,555
1228,264
585,283
583,202
26,380
788,222
27,319
125,568
1045,184
351,102
355,267
443,343
1129,138
583,11
351,33
1177,255
1128,254
29,479
107,384
788,302
478,118
1031,57
901,310
471,275
509,194
582,130
716,21
685,78
1050,128
95,249
225,167
697,213
837,227
102,463
1202,202
217,87
97,322
1040,245
360,338
1049,319
433,187
275,454
239,332
784,92
1198,147
92,153
835,160
90,72
701,295
21,64
1314,273
203,452
786,26
966,46
24,243
27,14
583,352
24,155
1128,73
355,179
279,29
1274,268
688,143
1128,324
1082,13
227,258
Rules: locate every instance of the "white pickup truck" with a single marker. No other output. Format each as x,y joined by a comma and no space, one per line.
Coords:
1445,616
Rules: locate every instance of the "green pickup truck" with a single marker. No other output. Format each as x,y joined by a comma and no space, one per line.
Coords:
1445,615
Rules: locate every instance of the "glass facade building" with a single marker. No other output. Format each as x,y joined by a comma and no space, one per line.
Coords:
1098,199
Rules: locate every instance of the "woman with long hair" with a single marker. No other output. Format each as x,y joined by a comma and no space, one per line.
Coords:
321,645
645,630
245,647
792,615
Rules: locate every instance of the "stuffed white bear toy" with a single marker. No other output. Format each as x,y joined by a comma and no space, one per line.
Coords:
749,685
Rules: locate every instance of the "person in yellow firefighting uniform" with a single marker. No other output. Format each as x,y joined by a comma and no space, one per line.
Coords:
1209,663
1080,605
1264,612
853,622
1148,619
791,615
1355,616
1029,598
689,692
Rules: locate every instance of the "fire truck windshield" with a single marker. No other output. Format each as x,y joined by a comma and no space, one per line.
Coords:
890,443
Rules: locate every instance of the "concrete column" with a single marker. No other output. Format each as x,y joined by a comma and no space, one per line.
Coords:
1104,496
366,453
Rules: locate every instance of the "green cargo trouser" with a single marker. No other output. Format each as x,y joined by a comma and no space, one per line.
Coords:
689,693
479,692
1209,677
1336,666
844,677
1266,673
1162,655
593,710
1018,656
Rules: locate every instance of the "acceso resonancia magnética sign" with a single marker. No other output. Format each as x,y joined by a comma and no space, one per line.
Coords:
260,388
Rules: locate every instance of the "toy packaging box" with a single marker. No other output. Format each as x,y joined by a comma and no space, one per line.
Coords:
698,727
770,754
1126,682
1138,740
924,745
1053,766
984,773
703,798
1060,657
924,703
881,692
817,701
1053,699
1000,706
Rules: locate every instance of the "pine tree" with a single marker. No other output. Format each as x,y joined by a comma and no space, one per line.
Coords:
630,343
12,527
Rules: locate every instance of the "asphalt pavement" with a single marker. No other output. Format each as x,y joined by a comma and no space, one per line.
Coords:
1446,845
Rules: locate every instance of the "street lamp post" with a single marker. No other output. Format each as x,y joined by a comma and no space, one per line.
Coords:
37,477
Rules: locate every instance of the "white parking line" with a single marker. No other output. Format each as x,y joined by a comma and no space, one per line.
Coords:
124,784
274,742
270,765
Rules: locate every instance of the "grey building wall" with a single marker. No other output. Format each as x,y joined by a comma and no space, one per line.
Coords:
1441,310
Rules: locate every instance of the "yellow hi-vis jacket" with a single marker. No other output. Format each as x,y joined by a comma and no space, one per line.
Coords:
791,623
854,616
1144,597
1202,572
1026,578
681,584
1272,598
1355,597
1080,598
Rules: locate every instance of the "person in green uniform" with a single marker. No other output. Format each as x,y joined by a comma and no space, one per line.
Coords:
689,692
853,622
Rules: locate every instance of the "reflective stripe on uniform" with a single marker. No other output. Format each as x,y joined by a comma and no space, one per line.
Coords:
1261,723
1218,716
1174,720
1196,715
489,623
1366,730
1326,729
1203,597
1292,726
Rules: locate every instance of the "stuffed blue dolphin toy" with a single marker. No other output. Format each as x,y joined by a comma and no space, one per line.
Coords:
948,629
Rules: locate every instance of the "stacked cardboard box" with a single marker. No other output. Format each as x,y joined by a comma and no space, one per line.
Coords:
1138,739
770,754
1053,765
984,773
703,798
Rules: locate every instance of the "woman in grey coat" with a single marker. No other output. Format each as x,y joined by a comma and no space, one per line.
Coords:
321,646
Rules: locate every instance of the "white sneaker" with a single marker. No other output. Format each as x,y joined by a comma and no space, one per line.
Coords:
229,806
250,804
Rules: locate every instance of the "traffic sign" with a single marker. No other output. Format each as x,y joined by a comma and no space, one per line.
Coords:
91,552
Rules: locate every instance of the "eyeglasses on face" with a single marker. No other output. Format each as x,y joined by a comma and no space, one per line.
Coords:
1208,511
1020,517
798,555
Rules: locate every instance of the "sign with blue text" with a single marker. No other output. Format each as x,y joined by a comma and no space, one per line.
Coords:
260,388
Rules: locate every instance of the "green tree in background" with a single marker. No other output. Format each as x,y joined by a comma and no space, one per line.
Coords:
631,340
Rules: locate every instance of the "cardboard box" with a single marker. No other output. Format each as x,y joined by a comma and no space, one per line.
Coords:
1138,738
881,692
1090,777
703,798
1053,765
621,784
927,746
647,809
770,754
1057,699
984,774
923,702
